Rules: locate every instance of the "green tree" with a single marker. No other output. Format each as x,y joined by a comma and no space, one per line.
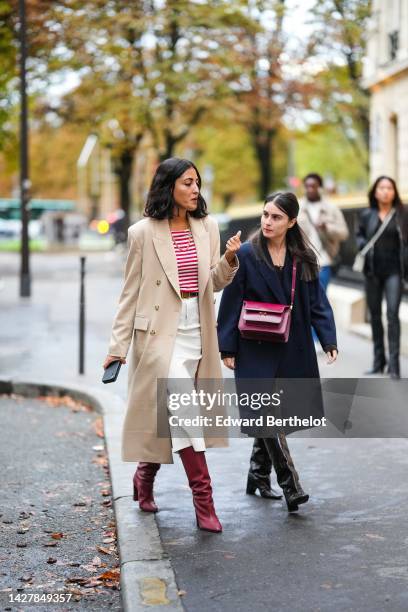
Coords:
152,68
227,149
310,154
340,40
262,96
7,69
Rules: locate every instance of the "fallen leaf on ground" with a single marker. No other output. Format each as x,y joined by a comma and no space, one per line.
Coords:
74,591
98,427
26,578
65,400
96,561
103,461
57,535
90,568
76,579
112,574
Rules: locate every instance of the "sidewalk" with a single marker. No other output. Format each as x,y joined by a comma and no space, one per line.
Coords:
56,515
343,551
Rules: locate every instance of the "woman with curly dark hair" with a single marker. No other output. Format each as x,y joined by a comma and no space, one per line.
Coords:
167,308
384,225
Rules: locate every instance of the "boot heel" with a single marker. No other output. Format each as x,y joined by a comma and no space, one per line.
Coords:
135,493
250,488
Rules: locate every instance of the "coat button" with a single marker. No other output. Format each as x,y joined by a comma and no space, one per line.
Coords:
156,307
158,282
152,332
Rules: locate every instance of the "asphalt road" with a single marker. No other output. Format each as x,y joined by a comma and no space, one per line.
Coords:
56,520
346,550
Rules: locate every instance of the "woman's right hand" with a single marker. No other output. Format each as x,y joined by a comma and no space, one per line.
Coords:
111,358
229,362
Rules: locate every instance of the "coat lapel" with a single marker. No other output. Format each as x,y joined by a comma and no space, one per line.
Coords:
202,243
163,245
272,280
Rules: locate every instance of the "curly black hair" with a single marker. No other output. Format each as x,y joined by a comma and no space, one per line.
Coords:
160,202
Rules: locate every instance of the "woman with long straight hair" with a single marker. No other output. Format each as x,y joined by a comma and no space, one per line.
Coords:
385,266
166,312
265,274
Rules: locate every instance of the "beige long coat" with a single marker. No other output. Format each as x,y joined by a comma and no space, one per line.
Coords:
147,319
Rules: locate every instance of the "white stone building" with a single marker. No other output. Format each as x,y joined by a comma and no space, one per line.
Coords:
386,75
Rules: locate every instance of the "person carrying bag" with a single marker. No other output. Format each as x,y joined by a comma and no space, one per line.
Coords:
359,261
265,324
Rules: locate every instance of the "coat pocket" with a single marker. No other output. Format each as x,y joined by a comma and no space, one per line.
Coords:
141,322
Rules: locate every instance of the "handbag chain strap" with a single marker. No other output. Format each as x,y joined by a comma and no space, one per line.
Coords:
292,293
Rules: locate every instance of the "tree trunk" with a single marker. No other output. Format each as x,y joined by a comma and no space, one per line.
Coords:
263,150
123,170
170,143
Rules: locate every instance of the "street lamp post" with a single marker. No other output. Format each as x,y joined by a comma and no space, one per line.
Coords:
25,279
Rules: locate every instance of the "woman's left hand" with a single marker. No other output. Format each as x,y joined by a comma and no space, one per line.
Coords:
233,245
331,356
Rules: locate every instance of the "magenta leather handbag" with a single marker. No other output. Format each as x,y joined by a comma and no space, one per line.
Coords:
264,321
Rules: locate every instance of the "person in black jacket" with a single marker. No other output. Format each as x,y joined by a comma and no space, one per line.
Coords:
265,275
385,268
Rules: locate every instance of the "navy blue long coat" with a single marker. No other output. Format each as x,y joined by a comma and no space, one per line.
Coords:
257,281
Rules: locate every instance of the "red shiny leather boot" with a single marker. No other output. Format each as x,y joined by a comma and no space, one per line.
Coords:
143,485
199,480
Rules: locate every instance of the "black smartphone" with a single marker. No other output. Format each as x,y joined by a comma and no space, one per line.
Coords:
111,372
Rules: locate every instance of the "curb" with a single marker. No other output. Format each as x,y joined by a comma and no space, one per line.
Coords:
147,577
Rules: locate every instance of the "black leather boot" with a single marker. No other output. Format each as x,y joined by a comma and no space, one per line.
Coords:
286,473
259,474
394,347
379,362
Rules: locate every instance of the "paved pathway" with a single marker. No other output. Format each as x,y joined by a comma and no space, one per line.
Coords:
56,516
346,549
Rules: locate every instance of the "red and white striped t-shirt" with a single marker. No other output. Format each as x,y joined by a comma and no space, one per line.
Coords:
187,261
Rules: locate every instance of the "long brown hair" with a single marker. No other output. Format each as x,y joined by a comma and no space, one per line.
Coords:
297,242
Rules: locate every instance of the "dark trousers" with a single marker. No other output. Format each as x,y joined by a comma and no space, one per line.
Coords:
376,288
268,452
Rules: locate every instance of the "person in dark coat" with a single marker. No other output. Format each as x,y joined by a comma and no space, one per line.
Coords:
265,275
385,267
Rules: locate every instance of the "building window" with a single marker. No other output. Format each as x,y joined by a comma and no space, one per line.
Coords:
393,42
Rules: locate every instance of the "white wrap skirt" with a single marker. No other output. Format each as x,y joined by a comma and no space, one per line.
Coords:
184,363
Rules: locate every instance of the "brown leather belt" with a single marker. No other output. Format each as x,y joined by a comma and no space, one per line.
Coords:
188,294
